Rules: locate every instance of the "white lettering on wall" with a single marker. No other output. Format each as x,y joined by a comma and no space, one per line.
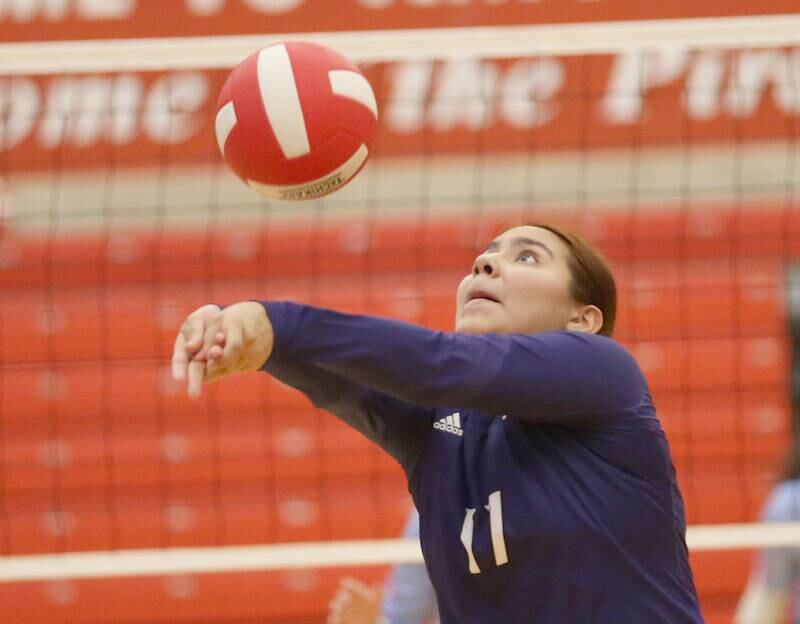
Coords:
205,7
633,74
171,108
466,95
81,111
273,6
704,84
473,94
426,4
20,102
56,10
463,95
91,116
105,9
789,96
407,100
63,105
527,92
29,10
754,73
126,99
717,82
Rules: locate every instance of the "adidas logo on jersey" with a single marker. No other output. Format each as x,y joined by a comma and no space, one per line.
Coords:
450,424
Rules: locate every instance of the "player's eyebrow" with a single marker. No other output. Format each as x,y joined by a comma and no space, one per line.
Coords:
520,241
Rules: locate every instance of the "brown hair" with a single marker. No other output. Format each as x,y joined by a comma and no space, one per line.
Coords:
592,280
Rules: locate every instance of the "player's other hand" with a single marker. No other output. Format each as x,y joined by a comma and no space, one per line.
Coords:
355,602
213,343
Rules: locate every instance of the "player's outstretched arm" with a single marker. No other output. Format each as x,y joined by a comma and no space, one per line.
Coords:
553,376
556,376
214,343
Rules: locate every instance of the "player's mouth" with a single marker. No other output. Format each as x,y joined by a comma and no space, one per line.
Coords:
483,296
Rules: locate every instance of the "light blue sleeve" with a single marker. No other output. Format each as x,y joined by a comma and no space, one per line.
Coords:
779,568
409,597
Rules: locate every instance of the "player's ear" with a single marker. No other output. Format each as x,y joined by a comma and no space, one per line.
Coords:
587,319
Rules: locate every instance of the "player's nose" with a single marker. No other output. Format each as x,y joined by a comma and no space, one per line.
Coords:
486,264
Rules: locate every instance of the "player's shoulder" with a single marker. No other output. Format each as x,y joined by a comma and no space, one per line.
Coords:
584,344
571,336
602,364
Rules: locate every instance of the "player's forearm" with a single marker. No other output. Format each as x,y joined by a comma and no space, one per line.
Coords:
403,360
556,374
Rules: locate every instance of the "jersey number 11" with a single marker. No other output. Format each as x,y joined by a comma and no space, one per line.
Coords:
495,508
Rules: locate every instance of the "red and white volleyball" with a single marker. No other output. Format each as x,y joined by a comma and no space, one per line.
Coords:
295,120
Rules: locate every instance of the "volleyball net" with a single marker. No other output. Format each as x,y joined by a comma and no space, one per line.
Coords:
671,145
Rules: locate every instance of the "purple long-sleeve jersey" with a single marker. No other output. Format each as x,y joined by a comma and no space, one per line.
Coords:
540,471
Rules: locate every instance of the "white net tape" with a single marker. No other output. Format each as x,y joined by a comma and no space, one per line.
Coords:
147,562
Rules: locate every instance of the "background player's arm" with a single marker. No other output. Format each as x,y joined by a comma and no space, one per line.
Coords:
777,570
408,597
561,376
761,605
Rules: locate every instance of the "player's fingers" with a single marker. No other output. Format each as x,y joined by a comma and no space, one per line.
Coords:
234,341
214,354
216,349
187,344
179,358
223,359
216,363
193,330
196,372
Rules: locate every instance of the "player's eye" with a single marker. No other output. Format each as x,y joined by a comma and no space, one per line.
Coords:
527,256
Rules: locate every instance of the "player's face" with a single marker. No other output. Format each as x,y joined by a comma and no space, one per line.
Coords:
520,284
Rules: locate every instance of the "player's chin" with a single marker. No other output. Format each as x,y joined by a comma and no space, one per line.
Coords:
471,323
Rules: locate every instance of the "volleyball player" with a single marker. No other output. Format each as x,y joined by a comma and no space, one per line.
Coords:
540,471
774,585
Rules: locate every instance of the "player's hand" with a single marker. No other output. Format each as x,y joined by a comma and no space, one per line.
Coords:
213,343
355,602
